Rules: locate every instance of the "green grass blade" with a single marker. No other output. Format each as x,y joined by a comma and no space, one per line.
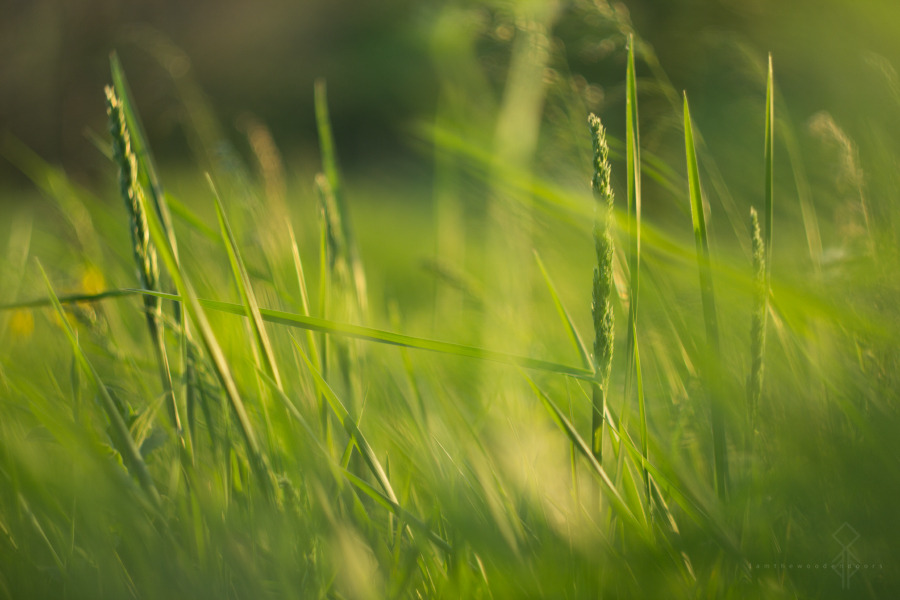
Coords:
342,329
770,166
720,448
665,478
304,295
380,497
643,417
245,289
386,337
633,171
122,437
332,173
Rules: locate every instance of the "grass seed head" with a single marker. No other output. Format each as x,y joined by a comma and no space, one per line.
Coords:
132,192
603,244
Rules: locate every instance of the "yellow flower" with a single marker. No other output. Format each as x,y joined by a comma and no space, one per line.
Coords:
21,323
92,281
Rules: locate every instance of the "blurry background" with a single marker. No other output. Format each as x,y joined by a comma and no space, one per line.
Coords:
381,60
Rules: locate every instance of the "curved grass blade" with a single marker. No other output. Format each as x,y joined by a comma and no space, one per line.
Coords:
362,485
220,365
720,448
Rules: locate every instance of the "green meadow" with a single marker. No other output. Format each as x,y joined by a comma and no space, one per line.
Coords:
610,338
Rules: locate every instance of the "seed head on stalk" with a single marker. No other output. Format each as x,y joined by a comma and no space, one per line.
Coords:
130,188
144,251
758,322
603,279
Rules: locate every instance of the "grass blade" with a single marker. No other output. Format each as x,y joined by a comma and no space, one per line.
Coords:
720,448
332,173
386,337
342,329
770,166
633,163
149,177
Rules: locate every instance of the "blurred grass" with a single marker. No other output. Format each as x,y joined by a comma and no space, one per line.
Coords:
461,483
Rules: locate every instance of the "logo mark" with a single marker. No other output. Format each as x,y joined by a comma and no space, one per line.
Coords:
845,564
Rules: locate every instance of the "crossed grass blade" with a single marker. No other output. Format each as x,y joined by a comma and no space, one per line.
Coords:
245,289
143,251
386,337
122,437
382,498
347,422
217,357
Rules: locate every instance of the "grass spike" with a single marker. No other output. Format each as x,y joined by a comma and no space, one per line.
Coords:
143,250
758,322
720,448
149,177
601,307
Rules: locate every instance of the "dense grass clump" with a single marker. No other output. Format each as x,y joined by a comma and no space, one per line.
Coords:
365,428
